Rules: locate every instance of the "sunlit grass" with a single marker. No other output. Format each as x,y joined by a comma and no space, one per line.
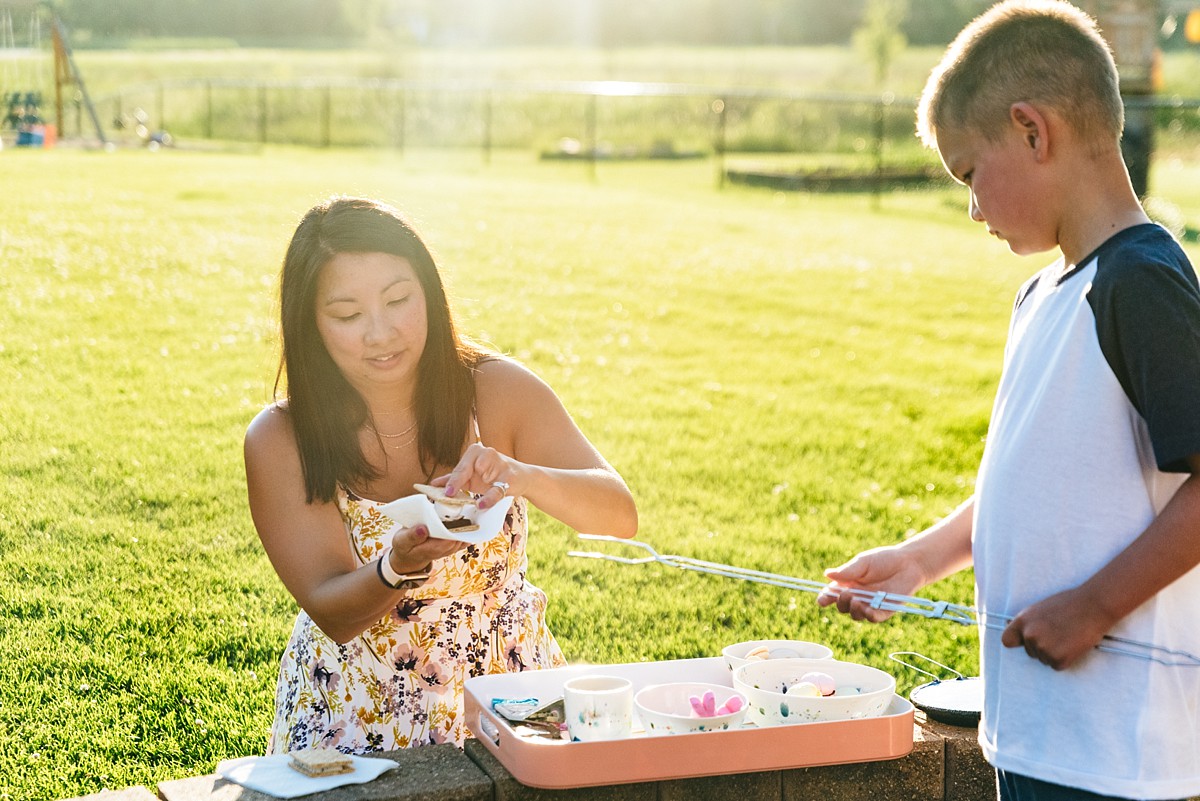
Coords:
783,379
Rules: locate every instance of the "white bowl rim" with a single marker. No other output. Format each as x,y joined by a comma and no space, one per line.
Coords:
701,685
750,645
740,671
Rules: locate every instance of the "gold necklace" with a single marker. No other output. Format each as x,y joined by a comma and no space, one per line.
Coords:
404,444
398,446
391,436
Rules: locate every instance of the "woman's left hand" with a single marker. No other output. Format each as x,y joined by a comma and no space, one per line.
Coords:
486,472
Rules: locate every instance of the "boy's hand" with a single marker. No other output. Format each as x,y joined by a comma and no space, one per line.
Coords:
1060,630
889,569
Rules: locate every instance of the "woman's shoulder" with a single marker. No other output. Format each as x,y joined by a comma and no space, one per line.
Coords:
509,397
270,427
499,378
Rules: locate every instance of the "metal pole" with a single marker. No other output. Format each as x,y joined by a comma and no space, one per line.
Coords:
719,106
208,102
160,104
61,43
262,114
591,136
62,76
487,127
877,184
326,117
401,119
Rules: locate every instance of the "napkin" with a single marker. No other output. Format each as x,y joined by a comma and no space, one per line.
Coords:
271,774
413,509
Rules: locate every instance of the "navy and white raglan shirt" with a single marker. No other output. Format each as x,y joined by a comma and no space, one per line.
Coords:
1097,410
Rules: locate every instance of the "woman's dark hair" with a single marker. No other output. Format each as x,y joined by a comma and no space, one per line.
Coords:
325,410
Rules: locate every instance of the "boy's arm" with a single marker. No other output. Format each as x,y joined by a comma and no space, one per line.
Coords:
938,551
1061,629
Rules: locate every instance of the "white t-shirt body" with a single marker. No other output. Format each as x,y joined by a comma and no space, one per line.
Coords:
1097,410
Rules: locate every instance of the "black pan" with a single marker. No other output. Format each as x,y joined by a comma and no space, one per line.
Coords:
958,702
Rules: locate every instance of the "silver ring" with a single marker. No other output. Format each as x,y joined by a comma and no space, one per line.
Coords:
502,486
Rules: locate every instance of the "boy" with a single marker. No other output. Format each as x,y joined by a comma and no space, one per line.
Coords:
1086,517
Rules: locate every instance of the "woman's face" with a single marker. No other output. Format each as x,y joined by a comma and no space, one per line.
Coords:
370,311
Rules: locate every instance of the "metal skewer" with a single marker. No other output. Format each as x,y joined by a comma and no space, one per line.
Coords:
887,601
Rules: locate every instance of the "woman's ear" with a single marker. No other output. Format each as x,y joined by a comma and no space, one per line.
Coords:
1032,126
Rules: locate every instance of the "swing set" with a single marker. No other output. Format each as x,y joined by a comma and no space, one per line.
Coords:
23,81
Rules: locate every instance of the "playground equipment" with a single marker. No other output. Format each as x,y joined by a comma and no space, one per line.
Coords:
22,93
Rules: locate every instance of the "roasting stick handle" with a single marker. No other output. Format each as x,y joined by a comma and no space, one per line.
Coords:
889,602
711,568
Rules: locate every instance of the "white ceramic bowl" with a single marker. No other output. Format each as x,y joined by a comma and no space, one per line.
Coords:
862,691
665,708
735,655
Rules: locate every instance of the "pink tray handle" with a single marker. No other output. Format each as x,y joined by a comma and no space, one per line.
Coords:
487,731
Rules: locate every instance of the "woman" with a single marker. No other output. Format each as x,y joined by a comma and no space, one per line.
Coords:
383,393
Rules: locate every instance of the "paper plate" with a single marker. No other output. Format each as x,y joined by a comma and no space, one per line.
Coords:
413,510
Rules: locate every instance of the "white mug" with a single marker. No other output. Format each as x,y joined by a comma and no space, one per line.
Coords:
598,707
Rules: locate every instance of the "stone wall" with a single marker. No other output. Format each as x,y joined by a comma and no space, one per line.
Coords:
945,765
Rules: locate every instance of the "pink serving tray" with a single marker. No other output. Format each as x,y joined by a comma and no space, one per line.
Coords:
548,764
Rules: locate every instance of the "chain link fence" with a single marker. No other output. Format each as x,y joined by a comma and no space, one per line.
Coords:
817,137
602,119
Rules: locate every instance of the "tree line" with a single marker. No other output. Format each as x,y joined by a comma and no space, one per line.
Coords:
602,23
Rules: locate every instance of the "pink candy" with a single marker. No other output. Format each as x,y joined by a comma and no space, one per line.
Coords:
706,707
732,705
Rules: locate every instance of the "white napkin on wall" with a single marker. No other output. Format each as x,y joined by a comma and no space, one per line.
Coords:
271,774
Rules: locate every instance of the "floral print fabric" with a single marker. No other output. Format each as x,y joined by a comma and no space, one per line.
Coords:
400,683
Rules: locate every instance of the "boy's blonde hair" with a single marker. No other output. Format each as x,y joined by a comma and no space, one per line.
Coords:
1040,51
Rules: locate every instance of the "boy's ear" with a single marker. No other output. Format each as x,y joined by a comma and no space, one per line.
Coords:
1033,127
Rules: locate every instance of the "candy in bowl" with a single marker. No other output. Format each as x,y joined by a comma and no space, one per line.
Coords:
686,707
785,691
740,653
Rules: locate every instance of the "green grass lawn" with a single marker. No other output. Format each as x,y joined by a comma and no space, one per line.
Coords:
783,379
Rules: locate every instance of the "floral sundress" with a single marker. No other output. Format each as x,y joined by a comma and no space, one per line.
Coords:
400,683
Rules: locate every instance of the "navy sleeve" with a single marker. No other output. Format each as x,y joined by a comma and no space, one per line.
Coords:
1146,302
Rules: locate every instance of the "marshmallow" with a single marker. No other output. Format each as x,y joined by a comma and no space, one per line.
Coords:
823,681
804,689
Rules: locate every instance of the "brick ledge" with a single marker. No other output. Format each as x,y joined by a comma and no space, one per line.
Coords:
945,765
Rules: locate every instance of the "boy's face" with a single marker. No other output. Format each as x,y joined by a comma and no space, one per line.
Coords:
1005,183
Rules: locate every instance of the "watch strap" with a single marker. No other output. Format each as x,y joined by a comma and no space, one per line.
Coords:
399,581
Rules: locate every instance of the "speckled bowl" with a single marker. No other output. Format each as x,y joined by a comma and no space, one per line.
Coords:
735,655
862,691
665,708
